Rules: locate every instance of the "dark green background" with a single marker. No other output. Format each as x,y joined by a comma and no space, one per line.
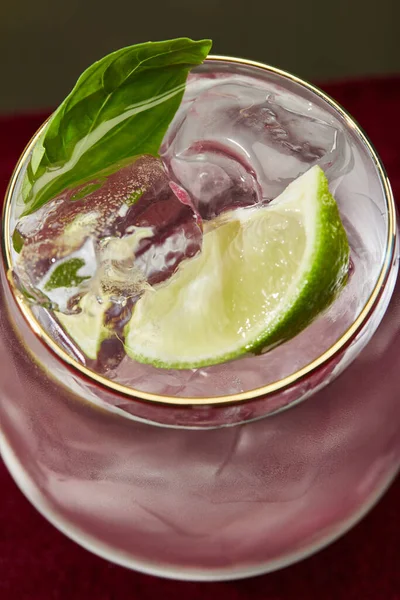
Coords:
46,44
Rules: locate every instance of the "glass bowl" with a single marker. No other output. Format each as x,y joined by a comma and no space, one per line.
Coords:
214,486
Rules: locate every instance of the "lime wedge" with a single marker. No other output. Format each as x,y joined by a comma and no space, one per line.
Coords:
262,276
86,328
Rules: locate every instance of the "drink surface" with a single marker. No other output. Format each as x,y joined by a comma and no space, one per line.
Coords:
240,136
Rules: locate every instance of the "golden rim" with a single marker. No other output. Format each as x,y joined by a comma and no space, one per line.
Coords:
263,391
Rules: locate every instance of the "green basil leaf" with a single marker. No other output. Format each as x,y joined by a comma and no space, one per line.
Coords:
17,241
120,107
66,275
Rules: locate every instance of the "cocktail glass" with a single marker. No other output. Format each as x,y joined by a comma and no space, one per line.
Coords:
238,469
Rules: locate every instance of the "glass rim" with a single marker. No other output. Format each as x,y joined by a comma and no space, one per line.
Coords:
230,399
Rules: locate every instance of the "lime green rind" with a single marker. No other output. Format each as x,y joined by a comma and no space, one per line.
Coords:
321,284
327,276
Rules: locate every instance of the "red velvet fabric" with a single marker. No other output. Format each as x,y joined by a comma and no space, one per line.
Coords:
39,563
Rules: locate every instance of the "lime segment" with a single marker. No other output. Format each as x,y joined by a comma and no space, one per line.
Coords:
87,328
262,276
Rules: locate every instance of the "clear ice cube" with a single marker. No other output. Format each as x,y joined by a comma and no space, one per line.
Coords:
112,237
232,143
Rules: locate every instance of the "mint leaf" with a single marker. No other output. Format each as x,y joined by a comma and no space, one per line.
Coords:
17,241
66,275
120,107
87,189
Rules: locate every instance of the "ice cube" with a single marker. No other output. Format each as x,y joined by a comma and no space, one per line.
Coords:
216,179
235,138
114,236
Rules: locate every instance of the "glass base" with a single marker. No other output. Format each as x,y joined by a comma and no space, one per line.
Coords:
93,545
205,504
